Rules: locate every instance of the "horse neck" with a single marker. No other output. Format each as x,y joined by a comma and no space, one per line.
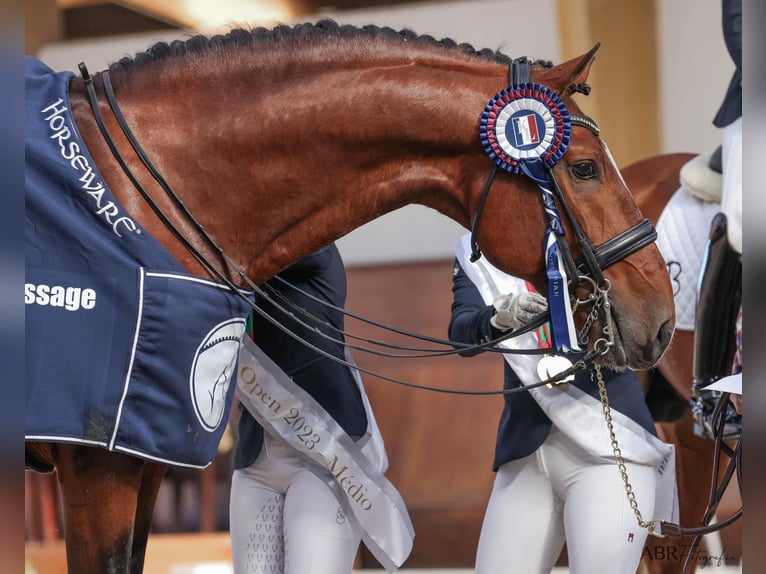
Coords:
276,165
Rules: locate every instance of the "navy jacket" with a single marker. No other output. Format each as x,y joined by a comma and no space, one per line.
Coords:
321,275
523,424
731,108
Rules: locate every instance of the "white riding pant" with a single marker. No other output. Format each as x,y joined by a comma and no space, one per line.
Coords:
731,194
562,493
286,520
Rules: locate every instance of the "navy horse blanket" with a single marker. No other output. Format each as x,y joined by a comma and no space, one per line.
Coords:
124,349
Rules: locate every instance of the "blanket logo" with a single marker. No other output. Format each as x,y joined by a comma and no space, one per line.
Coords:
57,117
213,370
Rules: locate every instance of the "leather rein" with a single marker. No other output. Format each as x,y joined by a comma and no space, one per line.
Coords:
594,261
588,268
717,488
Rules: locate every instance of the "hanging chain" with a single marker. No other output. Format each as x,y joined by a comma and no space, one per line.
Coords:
582,336
651,525
599,297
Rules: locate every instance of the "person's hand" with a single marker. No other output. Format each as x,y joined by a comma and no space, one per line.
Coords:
513,311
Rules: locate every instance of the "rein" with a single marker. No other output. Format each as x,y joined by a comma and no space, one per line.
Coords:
614,250
215,271
717,489
593,262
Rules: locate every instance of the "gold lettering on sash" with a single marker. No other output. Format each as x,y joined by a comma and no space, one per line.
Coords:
253,387
356,491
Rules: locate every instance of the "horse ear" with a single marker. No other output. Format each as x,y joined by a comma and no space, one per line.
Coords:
574,71
582,70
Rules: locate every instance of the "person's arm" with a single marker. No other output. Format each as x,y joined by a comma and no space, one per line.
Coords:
470,320
475,322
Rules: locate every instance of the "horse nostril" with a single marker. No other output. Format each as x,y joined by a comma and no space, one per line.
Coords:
664,335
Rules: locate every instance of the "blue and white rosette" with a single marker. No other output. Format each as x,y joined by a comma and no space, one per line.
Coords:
525,130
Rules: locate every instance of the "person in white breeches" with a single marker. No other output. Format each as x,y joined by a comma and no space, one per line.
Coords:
558,494
557,479
284,518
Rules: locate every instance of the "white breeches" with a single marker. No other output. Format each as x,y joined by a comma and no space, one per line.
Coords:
286,520
558,493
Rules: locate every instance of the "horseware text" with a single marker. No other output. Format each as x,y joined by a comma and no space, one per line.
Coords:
70,298
61,133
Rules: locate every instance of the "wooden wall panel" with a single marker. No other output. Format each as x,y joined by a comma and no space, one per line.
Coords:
42,24
625,96
440,446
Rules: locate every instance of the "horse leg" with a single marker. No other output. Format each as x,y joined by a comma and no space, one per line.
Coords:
151,481
100,494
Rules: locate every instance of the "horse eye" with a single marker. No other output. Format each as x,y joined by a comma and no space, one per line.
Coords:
584,170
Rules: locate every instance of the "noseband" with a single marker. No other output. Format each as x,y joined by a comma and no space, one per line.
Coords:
520,104
594,259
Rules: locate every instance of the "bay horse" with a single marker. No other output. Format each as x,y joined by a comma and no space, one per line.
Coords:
278,142
653,182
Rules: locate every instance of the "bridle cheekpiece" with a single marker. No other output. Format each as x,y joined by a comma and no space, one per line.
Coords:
525,130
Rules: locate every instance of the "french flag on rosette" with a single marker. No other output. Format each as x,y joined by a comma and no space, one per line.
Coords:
525,130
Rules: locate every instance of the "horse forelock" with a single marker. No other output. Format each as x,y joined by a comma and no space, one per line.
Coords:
579,88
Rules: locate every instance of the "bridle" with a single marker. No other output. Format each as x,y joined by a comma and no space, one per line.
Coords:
594,259
536,162
598,259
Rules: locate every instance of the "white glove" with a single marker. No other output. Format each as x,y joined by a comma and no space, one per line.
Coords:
513,311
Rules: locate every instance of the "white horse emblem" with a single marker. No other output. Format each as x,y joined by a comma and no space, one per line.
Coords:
212,371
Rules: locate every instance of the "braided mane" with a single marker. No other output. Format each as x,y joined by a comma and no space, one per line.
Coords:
301,33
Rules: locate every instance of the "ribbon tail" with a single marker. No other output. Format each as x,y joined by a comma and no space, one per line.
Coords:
571,329
562,322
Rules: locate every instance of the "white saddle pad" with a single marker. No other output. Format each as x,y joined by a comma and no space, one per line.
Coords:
682,235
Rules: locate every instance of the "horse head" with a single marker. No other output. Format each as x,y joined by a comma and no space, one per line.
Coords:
603,227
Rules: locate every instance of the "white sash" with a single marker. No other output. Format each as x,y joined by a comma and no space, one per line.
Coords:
286,410
572,410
